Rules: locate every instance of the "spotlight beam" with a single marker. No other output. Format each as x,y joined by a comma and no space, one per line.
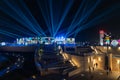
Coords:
9,34
76,15
10,25
96,20
63,16
33,20
45,14
14,16
85,15
51,16
22,16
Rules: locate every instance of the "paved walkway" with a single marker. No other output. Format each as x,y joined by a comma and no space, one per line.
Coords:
96,75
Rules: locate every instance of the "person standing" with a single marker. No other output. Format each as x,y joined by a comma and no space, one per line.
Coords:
89,69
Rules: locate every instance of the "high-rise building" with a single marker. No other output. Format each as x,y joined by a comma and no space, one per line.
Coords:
101,37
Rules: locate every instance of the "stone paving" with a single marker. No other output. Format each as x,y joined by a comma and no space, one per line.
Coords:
97,75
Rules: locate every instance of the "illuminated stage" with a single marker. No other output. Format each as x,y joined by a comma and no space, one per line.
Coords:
45,40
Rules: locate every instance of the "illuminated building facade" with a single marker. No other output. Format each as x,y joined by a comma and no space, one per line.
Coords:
101,37
45,40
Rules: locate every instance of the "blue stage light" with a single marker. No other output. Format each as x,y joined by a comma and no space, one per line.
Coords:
3,43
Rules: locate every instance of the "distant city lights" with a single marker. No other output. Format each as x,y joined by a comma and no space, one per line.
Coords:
114,43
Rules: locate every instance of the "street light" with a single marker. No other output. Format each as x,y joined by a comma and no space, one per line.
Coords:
118,48
99,58
109,48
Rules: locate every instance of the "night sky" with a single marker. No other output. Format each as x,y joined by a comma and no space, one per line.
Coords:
27,18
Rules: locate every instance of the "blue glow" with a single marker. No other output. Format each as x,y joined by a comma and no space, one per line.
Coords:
63,16
3,43
54,16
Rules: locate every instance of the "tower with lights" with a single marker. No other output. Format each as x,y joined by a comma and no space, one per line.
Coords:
101,37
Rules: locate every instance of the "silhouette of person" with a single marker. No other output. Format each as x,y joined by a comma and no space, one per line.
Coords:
110,69
89,69
96,65
93,68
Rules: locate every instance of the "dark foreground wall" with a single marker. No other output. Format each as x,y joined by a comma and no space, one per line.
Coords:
18,48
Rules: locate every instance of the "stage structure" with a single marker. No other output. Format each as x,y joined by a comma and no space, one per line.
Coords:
45,40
